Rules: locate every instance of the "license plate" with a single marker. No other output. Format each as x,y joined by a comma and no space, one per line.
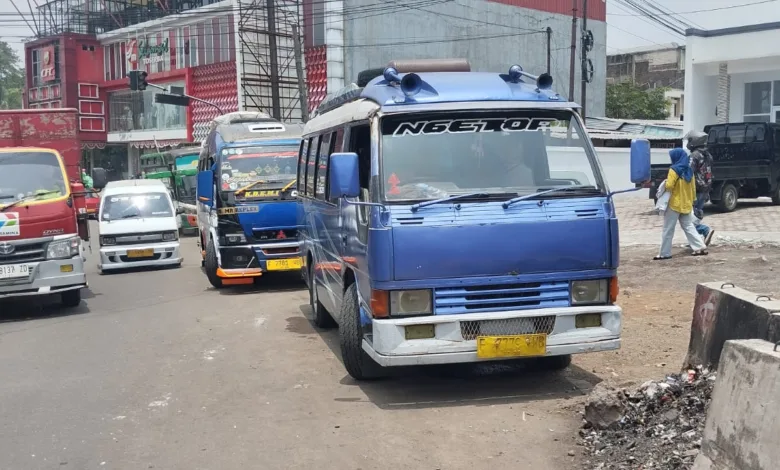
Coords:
14,271
288,264
148,253
511,346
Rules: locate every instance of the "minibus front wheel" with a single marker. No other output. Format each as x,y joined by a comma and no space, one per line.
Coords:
211,265
358,364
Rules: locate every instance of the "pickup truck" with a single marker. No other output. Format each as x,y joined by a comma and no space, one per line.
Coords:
746,163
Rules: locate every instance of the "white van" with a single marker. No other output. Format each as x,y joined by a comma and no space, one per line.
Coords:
138,226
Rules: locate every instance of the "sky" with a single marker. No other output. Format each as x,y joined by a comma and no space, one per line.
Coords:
625,30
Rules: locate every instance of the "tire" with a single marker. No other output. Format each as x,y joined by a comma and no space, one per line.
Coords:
211,266
322,318
358,364
776,196
556,362
728,198
71,298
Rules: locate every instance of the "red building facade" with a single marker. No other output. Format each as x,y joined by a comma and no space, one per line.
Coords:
116,125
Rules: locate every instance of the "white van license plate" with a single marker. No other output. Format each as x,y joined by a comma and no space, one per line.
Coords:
14,271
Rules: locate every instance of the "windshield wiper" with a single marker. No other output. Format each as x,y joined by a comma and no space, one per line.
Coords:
542,192
7,196
456,197
26,199
130,216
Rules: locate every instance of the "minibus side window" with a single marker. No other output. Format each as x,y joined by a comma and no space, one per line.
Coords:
303,154
322,166
310,167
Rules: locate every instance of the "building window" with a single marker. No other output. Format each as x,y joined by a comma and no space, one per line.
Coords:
137,111
36,67
224,39
758,101
208,39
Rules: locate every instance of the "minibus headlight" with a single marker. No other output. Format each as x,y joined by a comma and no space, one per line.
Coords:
411,302
590,292
170,236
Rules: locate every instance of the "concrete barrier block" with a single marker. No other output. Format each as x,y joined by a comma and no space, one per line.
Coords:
723,312
743,421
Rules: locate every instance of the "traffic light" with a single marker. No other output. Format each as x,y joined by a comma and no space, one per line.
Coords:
137,80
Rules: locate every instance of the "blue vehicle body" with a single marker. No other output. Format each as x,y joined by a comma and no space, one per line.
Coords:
446,267
247,205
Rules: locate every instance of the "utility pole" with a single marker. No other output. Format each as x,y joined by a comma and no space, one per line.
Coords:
584,51
276,108
302,94
573,49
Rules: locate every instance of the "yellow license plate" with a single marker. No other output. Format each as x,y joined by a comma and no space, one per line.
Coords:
148,253
511,346
288,264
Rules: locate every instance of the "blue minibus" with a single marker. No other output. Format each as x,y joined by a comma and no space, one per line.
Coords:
450,216
247,204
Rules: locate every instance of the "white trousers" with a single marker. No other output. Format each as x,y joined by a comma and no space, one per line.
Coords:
686,223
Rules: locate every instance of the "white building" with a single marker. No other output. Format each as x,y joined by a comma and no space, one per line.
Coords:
732,75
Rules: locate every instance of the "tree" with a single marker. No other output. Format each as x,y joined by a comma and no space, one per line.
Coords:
11,78
628,100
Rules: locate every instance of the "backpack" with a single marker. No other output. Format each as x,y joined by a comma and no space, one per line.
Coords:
702,169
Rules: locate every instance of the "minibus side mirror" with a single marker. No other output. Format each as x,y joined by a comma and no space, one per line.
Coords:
640,161
343,177
206,188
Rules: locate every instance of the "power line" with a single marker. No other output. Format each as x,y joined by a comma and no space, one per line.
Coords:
634,5
642,18
706,10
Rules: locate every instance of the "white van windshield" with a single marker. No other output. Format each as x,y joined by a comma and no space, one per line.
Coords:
508,153
127,206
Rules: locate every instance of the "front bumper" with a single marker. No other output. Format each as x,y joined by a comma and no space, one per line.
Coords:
47,277
116,257
388,346
239,261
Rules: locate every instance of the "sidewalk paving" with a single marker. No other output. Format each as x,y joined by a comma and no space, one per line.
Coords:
754,222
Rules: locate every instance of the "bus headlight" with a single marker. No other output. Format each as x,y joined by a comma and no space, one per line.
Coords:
590,292
67,248
410,302
235,238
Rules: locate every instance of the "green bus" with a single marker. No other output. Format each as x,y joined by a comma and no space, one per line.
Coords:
178,169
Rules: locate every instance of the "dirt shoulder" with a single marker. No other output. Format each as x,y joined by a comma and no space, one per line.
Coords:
657,299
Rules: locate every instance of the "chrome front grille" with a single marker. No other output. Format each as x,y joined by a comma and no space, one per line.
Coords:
500,297
24,251
137,238
509,326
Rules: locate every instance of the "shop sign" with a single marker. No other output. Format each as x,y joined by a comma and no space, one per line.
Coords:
48,72
153,54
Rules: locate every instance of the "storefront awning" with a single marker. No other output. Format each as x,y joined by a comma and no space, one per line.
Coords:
93,145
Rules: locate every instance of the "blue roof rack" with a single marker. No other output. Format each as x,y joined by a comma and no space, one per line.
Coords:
443,81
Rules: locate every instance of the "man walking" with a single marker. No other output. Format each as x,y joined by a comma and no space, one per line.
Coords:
701,163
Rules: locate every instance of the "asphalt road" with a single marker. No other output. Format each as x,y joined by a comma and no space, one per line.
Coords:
158,370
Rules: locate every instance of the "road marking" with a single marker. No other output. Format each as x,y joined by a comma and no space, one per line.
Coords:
259,322
161,403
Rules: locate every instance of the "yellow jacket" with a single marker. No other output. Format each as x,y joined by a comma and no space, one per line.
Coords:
683,193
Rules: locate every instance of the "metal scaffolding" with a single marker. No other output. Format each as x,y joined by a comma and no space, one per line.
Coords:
265,57
101,16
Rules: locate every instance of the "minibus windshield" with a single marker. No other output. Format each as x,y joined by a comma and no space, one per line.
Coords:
503,153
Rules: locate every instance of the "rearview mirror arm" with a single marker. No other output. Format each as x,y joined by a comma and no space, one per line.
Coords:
383,208
631,190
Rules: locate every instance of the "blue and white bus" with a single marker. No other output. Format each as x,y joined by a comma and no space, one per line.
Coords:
247,204
453,216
